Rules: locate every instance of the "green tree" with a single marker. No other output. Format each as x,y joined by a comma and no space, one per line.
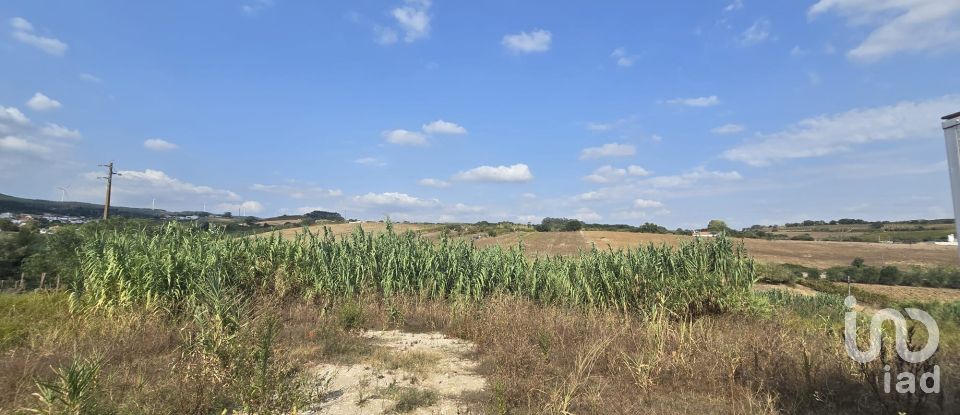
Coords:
717,225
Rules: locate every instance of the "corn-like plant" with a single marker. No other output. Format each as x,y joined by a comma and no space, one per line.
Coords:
72,390
174,265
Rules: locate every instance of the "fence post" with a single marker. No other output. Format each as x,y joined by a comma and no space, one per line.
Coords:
58,283
22,286
43,276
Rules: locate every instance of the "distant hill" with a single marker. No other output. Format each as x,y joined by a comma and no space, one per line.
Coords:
91,210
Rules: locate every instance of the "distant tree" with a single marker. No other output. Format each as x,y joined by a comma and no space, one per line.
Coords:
857,262
227,214
717,225
8,226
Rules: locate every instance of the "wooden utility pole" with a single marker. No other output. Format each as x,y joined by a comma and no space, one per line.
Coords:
109,177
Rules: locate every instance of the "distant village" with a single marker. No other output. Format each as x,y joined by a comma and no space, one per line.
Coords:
48,220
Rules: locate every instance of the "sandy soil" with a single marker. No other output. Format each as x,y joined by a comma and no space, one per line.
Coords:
409,361
796,289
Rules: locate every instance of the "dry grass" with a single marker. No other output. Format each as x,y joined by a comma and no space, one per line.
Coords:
818,254
535,358
912,293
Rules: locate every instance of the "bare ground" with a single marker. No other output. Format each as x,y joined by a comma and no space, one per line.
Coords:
420,373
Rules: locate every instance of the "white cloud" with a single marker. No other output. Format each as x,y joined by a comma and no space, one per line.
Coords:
828,134
591,196
246,208
606,174
254,7
394,199
413,19
158,183
21,24
623,59
735,5
637,171
41,102
443,127
813,78
587,215
646,204
728,129
608,150
159,144
404,137
59,131
690,178
23,32
433,183
696,102
17,144
756,34
297,190
523,42
370,161
900,26
656,138
14,115
90,78
504,174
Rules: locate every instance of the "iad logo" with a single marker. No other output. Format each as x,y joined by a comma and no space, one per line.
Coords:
906,381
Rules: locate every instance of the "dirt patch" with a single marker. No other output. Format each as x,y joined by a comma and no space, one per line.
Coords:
796,289
341,229
419,373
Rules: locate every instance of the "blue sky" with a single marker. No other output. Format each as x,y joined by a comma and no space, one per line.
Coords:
620,112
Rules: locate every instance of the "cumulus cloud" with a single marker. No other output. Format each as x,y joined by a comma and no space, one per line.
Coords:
756,34
59,131
13,115
404,137
504,174
728,129
434,183
413,19
23,32
443,127
17,144
608,150
159,144
735,5
898,26
828,134
692,177
532,42
41,102
696,102
393,200
610,174
151,181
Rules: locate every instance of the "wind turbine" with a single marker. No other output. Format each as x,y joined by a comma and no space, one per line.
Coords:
63,192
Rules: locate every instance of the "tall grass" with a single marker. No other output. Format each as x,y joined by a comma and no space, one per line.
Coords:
168,266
